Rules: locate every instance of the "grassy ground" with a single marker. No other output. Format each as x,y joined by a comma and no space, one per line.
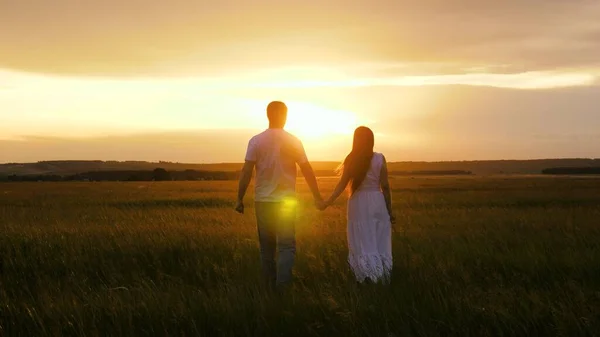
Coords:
473,256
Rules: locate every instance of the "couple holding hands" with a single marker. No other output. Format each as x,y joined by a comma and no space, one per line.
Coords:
274,154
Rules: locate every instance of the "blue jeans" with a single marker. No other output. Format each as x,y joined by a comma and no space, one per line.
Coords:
276,232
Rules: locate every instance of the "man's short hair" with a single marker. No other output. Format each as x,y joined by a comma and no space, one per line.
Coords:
276,110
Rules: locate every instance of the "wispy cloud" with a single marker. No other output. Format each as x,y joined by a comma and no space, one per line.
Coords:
202,90
207,38
528,80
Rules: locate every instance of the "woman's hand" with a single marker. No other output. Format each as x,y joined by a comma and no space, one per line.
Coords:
393,222
324,205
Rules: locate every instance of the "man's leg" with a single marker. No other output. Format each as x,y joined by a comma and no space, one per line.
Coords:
266,223
286,241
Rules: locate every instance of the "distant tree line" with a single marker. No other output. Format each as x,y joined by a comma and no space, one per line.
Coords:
571,170
329,173
158,174
431,173
161,174
32,177
72,167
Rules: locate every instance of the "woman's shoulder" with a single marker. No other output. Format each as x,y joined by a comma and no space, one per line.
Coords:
377,160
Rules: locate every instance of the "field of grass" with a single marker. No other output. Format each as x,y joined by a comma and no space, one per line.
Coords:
473,256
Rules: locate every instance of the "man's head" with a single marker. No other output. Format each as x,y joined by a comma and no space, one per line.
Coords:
277,114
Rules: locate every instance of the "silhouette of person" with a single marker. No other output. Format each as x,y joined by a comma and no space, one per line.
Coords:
370,214
274,153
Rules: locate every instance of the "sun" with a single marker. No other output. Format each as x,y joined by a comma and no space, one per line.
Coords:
310,121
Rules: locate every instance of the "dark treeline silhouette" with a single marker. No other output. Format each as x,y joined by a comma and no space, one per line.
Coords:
66,168
31,177
143,171
158,174
572,170
72,167
332,173
431,173
161,174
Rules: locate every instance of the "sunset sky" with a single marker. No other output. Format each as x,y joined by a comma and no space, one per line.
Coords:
189,80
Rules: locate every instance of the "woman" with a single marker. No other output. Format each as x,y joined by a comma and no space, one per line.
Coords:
369,209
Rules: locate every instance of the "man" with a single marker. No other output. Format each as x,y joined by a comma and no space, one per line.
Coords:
275,153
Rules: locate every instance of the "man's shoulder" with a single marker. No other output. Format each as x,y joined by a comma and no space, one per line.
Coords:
269,135
293,137
257,137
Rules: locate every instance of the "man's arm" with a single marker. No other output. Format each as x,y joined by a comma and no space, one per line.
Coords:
311,180
309,174
245,178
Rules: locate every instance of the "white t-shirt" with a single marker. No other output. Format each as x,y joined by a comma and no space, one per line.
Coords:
276,153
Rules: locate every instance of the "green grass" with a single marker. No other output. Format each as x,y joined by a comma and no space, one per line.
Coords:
500,256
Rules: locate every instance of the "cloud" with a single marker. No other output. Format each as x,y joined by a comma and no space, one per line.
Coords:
528,80
191,37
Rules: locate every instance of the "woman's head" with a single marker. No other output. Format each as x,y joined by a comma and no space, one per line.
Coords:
364,140
357,163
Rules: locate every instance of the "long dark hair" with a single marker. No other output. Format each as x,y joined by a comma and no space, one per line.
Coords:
358,161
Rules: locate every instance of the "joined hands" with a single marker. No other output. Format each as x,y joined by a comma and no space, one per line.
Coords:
321,204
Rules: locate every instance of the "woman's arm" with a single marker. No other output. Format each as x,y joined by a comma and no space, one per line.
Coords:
341,186
384,181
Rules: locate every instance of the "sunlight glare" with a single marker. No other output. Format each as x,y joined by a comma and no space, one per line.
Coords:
311,121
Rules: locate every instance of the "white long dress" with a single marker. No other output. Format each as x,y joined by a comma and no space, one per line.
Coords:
369,228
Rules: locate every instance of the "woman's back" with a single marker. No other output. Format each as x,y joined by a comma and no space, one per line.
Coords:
369,228
372,179
369,210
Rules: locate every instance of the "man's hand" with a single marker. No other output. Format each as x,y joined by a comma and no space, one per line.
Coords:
311,180
239,207
245,178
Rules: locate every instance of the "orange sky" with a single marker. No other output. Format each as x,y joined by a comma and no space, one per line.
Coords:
188,80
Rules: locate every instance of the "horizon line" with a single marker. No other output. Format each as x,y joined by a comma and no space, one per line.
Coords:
313,161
